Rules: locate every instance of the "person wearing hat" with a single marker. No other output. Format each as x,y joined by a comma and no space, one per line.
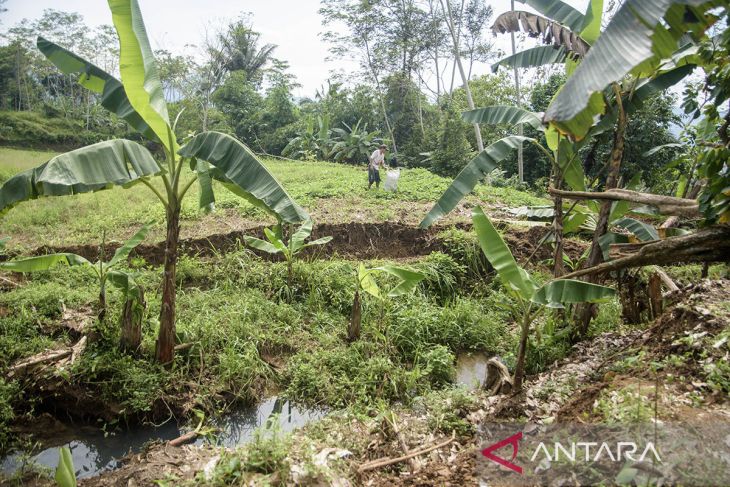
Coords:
377,160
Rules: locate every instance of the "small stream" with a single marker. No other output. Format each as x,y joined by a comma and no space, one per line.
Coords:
94,452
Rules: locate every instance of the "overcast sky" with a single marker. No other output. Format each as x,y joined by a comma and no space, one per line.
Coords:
293,25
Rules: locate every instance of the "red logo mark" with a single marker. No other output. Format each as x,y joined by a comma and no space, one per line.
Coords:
512,440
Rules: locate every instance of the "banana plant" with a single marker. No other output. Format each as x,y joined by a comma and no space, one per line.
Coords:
530,299
354,143
138,99
290,250
407,281
105,272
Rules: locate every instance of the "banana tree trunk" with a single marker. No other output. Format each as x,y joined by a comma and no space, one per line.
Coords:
522,352
132,315
353,331
166,338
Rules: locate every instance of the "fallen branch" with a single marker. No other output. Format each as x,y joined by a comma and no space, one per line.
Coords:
708,245
186,438
667,205
38,359
666,280
383,462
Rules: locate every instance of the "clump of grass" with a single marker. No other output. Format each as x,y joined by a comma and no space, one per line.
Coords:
9,392
448,409
464,247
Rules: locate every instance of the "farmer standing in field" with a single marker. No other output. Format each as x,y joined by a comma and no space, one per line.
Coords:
377,160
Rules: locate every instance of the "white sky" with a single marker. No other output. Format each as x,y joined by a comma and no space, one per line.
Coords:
293,25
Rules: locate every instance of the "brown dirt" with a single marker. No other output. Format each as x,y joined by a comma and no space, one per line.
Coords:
387,240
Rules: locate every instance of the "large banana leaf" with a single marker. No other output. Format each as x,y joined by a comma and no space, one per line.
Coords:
98,166
123,252
137,66
642,231
513,276
504,114
626,43
243,174
43,262
206,200
113,96
559,11
477,169
555,294
533,57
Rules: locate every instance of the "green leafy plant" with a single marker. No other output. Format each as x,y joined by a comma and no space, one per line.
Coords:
407,281
530,299
106,272
139,99
65,473
290,250
355,143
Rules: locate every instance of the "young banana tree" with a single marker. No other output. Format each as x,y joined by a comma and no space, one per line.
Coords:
407,281
530,298
106,272
138,99
290,250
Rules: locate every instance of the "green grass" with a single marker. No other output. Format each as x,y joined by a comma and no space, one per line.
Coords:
332,193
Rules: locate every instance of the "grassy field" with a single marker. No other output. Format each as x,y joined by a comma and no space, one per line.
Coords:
332,193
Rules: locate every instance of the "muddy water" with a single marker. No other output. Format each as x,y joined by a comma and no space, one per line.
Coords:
94,452
471,369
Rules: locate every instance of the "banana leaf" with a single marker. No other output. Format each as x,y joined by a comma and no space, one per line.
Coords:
642,231
262,245
533,57
555,294
627,42
591,28
513,277
93,78
409,279
504,114
559,11
125,282
43,262
477,169
140,77
95,167
242,173
367,283
275,239
206,201
302,233
123,252
608,238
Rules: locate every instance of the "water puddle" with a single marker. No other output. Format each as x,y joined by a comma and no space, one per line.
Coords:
94,452
471,369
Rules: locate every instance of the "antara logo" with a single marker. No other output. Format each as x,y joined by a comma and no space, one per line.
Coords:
512,440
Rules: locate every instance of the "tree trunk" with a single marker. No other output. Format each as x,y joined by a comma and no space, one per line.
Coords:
520,131
132,315
353,331
595,257
166,338
558,266
522,352
457,58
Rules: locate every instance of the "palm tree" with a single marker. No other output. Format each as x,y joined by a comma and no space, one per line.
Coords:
240,51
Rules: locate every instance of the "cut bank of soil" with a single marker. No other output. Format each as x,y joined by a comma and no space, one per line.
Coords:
387,240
